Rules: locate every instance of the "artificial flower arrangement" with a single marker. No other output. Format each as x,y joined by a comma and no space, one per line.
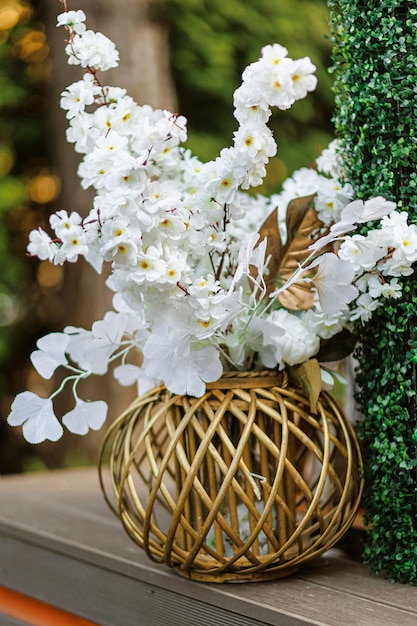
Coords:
206,277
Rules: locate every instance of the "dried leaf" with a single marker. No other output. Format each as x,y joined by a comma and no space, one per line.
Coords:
309,375
302,222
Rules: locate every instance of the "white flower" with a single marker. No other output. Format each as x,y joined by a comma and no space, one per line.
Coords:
377,288
41,245
73,245
395,266
405,242
149,266
273,54
79,95
266,337
394,220
255,142
176,126
85,415
278,85
303,182
50,354
37,417
90,49
171,226
184,370
298,343
323,324
332,281
161,196
329,161
365,306
73,20
361,252
61,222
302,77
331,198
81,133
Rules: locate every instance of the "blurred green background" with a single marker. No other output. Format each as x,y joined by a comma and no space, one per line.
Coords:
210,43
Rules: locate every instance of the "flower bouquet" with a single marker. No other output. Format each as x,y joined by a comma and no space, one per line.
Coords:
208,278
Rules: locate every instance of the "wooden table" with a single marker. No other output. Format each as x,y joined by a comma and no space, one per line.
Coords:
60,544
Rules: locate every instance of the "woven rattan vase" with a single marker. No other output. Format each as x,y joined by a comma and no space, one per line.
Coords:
243,484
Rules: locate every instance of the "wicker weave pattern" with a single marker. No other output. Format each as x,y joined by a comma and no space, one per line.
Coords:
241,484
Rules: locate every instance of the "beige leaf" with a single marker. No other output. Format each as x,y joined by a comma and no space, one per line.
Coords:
302,222
309,375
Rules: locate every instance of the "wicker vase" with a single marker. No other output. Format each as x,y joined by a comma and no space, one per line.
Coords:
242,484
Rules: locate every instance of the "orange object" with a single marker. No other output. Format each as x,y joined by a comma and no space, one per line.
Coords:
36,613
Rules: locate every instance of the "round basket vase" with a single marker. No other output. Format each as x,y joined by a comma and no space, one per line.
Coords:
242,484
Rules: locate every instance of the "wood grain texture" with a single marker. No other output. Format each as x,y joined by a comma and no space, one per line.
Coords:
60,544
16,606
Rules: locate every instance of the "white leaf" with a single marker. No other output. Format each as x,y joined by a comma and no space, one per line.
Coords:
326,377
51,354
130,374
37,416
127,374
85,415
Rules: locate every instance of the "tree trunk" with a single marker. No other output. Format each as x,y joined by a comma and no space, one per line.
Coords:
144,72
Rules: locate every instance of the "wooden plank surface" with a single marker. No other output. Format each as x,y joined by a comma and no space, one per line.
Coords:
18,607
59,543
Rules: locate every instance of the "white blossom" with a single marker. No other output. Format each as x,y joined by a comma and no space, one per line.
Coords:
169,355
329,162
73,20
94,50
41,245
298,343
365,306
361,252
378,287
79,95
302,77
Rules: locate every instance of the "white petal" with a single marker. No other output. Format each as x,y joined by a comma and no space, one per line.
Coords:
375,208
193,372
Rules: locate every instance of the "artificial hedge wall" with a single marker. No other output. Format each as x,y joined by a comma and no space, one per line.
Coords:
375,57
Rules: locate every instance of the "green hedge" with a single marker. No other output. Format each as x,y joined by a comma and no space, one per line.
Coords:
375,58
